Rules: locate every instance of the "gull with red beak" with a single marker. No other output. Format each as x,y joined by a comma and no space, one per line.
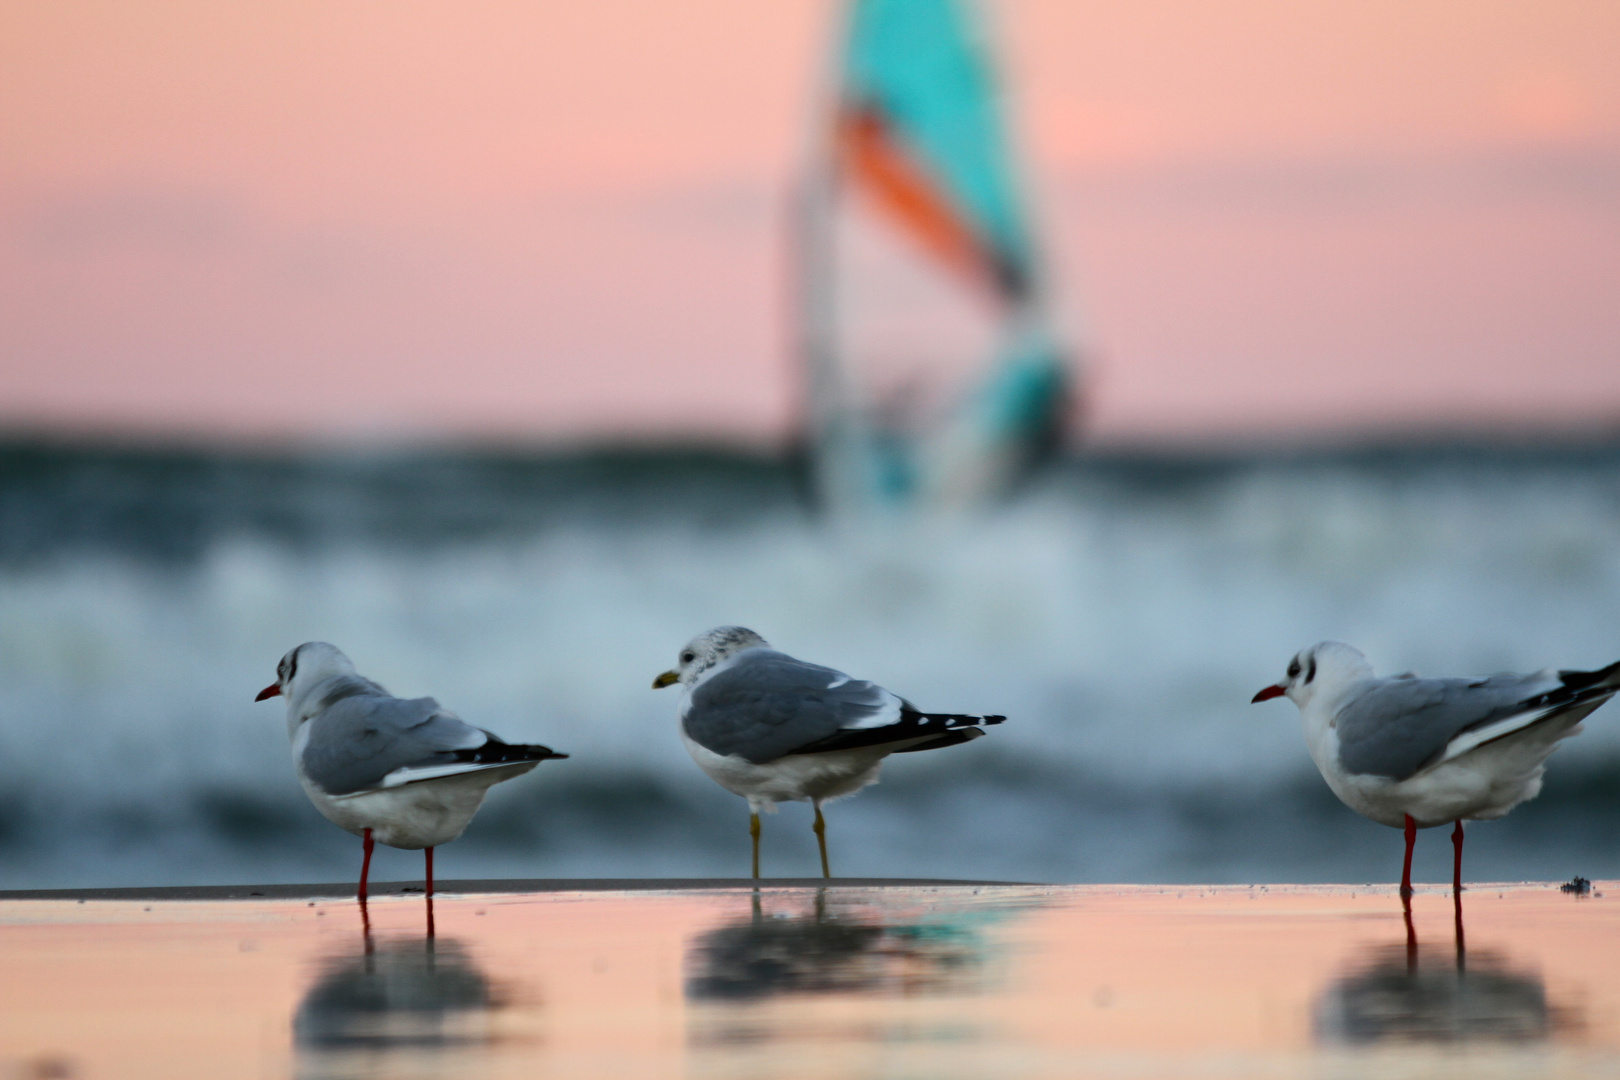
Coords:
407,773
1414,753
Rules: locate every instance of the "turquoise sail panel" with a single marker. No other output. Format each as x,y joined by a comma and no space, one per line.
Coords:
920,65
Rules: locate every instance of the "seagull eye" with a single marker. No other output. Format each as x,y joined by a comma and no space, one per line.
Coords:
1293,668
688,656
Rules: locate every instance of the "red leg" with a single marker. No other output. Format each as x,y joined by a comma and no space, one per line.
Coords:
365,865
1406,868
428,856
1456,858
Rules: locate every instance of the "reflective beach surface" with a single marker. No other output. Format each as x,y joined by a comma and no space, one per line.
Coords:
902,981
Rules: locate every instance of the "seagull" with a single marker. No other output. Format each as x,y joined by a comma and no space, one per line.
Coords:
406,772
1415,753
772,729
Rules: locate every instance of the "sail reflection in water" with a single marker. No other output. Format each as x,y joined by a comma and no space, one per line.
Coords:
821,952
1397,996
391,1006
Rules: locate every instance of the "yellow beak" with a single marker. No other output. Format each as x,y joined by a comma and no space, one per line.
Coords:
668,678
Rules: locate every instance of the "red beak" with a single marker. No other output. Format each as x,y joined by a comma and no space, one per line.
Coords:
1269,692
273,690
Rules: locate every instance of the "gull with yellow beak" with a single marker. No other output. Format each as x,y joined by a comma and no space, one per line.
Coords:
774,729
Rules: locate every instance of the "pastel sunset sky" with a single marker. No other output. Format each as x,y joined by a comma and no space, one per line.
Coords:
553,220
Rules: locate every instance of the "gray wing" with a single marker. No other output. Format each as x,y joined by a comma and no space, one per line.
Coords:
767,704
359,739
1397,727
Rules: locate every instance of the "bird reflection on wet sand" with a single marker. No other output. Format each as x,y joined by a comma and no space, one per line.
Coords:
1404,994
821,952
390,1003
365,915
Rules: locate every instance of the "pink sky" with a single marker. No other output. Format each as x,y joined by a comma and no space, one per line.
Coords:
556,220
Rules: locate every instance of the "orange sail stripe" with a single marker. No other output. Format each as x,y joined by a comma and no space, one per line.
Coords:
902,189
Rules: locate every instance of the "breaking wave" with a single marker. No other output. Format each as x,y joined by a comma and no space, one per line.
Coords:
1121,613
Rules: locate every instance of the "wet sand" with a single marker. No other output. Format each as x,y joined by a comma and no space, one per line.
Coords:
859,979
342,889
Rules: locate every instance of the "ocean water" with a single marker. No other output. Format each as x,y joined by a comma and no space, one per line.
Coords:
1121,612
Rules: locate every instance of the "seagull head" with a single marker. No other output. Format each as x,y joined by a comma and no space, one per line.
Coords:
1327,665
303,667
706,650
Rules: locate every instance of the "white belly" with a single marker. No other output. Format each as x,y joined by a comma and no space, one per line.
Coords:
1480,785
424,814
794,778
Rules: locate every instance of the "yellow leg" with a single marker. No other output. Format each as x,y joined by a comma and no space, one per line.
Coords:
753,830
821,838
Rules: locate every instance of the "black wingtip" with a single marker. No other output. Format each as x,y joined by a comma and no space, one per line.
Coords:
1584,680
950,738
958,720
496,752
952,729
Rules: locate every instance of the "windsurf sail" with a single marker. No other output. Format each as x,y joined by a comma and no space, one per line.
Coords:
934,375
